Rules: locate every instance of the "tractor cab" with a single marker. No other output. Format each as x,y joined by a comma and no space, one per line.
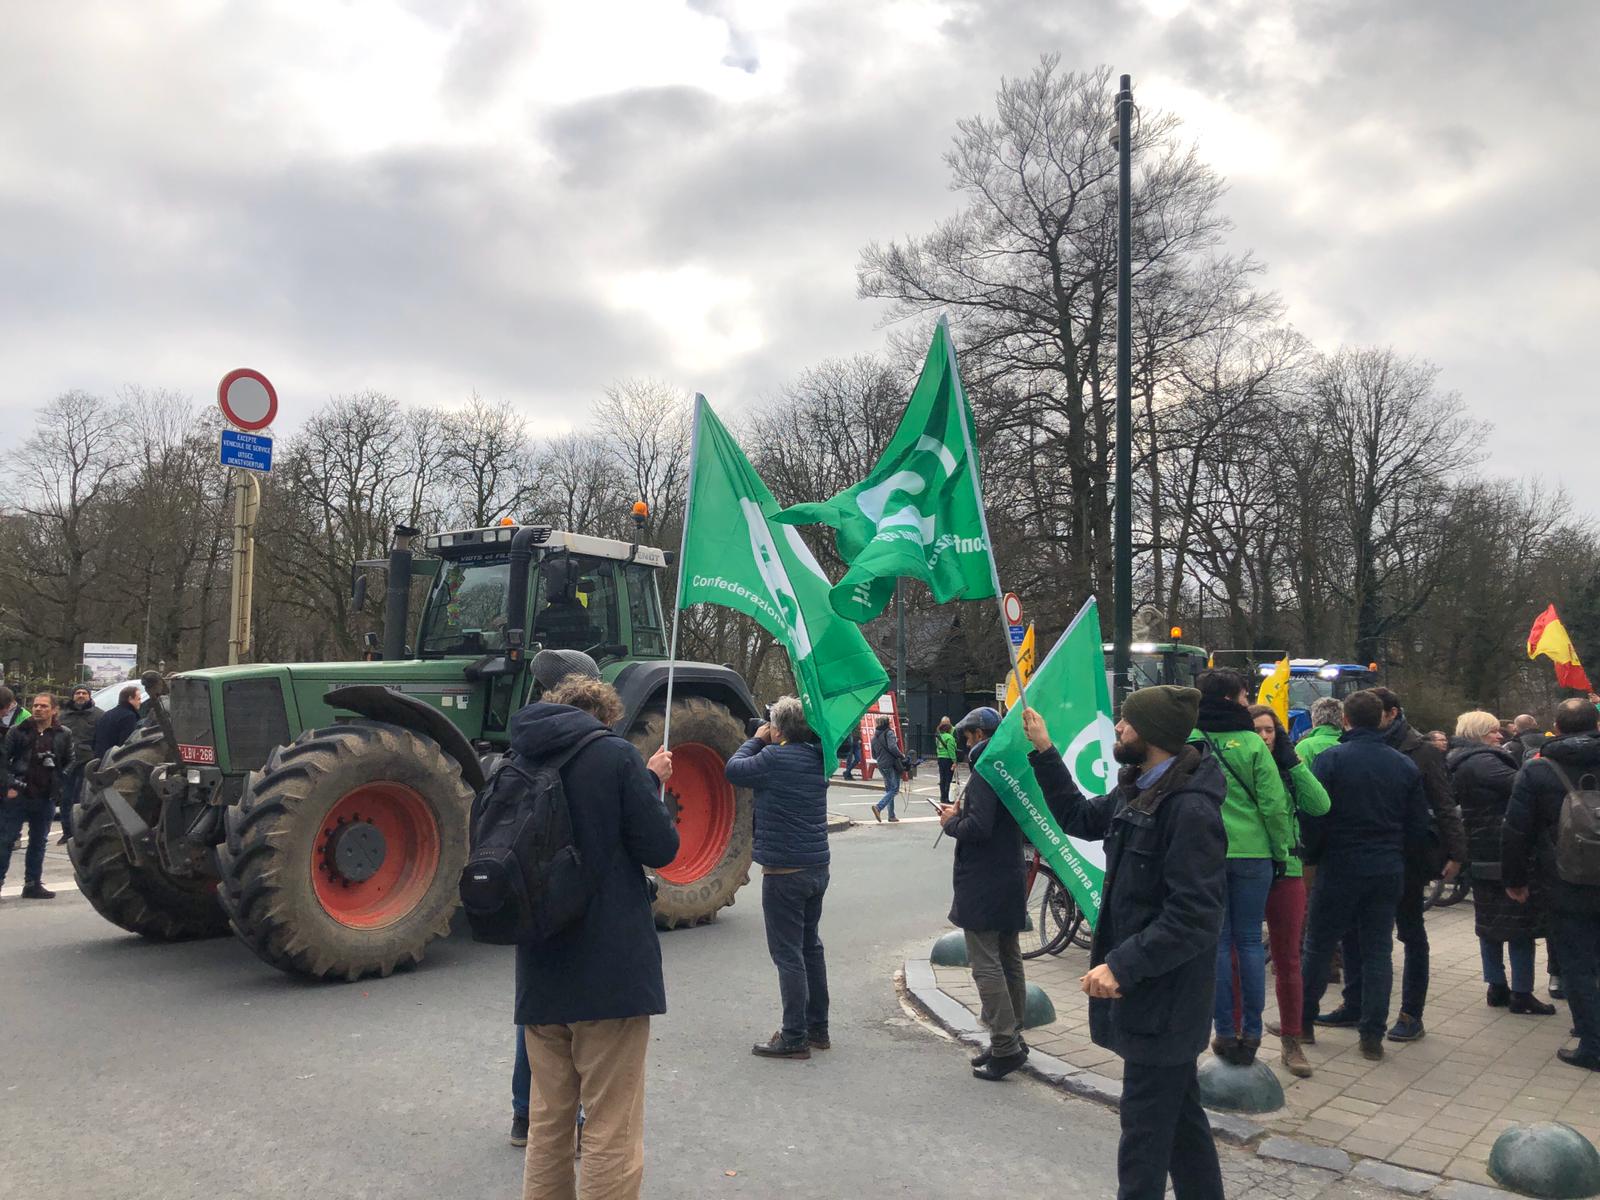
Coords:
1310,679
1152,663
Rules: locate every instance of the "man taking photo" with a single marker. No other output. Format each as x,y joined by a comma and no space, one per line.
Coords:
1152,972
37,754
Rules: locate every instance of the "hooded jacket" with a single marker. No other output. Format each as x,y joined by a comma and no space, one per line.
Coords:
989,880
607,965
1256,812
791,801
1528,840
1161,908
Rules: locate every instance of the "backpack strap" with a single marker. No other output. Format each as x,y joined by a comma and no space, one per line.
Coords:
1239,779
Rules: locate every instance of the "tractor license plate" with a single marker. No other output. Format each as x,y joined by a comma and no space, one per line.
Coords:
202,755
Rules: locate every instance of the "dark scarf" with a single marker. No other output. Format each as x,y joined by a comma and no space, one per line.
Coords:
1224,716
1149,799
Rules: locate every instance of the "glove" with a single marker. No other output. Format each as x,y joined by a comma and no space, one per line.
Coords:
1284,756
1280,869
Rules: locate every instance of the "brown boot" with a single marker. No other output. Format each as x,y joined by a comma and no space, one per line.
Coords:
1294,1058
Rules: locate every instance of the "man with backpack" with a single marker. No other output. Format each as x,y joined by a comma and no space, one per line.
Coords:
1551,841
587,989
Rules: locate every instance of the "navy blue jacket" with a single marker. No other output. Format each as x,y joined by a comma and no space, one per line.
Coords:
114,728
1161,908
990,880
1378,806
791,801
607,965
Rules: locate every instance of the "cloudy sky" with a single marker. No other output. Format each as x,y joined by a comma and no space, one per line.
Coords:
432,197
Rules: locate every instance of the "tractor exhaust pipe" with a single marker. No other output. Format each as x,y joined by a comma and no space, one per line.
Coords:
397,600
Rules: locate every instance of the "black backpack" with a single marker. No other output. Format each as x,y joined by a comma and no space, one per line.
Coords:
1578,829
524,879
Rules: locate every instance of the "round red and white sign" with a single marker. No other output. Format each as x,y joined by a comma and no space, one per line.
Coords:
247,399
1012,608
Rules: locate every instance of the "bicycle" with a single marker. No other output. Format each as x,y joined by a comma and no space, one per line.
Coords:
1060,922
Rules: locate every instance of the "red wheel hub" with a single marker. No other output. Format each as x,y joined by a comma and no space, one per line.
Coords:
702,802
375,856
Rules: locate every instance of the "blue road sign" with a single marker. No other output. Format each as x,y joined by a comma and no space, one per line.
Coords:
248,450
1017,634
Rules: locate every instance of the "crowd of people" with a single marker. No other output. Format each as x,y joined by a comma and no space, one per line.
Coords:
43,766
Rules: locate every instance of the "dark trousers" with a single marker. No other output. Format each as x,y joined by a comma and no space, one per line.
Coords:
1576,938
1165,1132
947,774
1366,903
997,972
71,785
792,906
36,815
1413,934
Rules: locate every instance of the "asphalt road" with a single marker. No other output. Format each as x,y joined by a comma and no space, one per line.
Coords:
134,1070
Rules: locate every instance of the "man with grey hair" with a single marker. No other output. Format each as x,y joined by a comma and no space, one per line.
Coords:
1327,723
783,765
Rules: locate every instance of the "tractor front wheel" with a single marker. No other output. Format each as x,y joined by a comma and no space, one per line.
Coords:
714,818
141,899
343,854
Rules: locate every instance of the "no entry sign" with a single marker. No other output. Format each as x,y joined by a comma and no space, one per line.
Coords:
248,399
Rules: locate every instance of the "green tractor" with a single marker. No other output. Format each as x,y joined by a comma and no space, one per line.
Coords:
320,810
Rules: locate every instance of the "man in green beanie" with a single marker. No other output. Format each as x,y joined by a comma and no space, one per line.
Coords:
1152,975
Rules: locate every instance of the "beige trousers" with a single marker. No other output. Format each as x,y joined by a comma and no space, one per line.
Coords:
599,1064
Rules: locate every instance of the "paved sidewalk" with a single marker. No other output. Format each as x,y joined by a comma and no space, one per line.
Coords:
1436,1105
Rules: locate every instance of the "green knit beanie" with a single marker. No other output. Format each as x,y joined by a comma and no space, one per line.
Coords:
1164,716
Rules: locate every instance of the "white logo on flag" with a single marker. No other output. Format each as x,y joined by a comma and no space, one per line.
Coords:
775,576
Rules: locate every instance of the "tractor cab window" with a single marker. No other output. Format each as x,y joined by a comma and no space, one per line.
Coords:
644,612
575,604
467,609
1305,690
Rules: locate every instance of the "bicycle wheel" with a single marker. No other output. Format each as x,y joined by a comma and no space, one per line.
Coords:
1049,927
1455,891
1430,898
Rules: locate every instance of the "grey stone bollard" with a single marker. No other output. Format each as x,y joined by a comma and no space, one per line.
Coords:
1227,1088
950,950
1547,1159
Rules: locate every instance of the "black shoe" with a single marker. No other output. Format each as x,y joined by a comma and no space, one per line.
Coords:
1407,1029
1000,1067
1225,1047
817,1039
1576,1058
981,1057
1499,995
1557,992
1342,1017
1524,1004
519,1129
37,891
1372,1048
63,839
1244,1051
776,1047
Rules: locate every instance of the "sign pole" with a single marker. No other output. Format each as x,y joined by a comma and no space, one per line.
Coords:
249,403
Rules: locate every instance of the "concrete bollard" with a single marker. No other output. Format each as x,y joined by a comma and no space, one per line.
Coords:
1548,1159
1040,1010
1227,1088
950,950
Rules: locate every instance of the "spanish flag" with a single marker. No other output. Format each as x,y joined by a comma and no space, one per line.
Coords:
1549,638
1274,691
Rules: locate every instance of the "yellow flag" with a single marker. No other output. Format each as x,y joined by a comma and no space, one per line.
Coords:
1274,691
1024,666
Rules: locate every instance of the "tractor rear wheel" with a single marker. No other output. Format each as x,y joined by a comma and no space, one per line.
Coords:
714,818
141,899
344,854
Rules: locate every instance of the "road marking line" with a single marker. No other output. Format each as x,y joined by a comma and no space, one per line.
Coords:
15,889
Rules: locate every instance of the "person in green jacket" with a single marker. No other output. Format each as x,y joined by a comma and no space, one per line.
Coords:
1286,902
944,743
1260,831
1327,724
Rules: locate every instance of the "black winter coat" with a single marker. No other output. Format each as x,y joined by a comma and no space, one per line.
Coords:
1378,811
791,801
1528,841
81,723
1482,777
114,728
1161,910
18,753
886,752
1525,745
608,965
990,879
1435,787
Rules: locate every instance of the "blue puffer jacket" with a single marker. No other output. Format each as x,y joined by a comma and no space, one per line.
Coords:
791,801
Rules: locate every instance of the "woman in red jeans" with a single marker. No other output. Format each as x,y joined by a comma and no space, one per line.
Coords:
1286,902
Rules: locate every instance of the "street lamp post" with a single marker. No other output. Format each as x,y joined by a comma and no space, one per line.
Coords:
1122,568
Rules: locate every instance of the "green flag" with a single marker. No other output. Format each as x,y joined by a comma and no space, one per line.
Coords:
1069,691
732,556
918,515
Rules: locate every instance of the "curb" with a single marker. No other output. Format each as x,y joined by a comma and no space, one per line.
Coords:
921,989
836,822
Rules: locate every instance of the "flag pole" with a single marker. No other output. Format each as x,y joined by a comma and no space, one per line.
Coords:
683,546
983,516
